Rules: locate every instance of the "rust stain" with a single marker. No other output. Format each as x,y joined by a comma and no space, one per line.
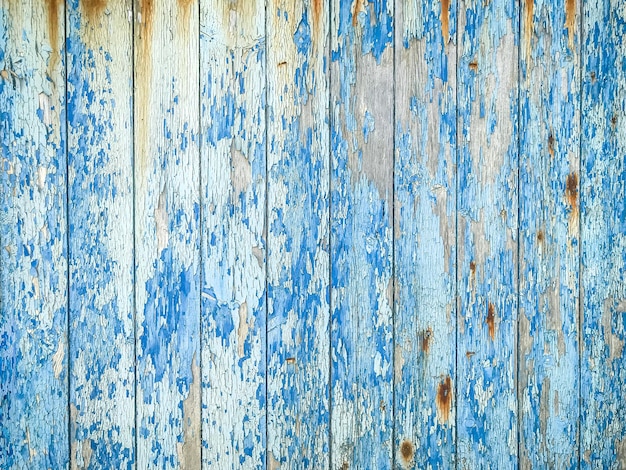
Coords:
491,321
358,6
540,235
345,466
551,145
528,26
571,190
445,20
407,451
614,121
282,64
291,361
570,18
426,335
469,354
93,8
444,399
473,65
317,14
473,267
593,77
53,31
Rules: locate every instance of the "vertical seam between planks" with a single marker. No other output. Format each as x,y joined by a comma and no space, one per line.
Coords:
456,236
519,234
67,239
267,237
330,236
200,222
580,228
393,250
134,189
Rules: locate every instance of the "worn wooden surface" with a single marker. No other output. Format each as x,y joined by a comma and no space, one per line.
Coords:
312,234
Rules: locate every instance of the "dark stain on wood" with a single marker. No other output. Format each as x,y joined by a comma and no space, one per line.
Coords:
540,236
93,8
407,451
593,77
53,31
444,399
317,14
614,121
445,20
426,335
570,18
469,354
472,267
571,189
473,65
528,26
358,6
491,321
551,145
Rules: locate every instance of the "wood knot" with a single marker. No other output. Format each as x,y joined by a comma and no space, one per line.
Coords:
407,450
571,189
444,399
426,335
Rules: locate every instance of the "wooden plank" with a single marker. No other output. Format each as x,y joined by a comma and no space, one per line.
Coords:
425,234
33,237
167,218
487,234
361,233
232,61
603,233
549,234
100,194
298,160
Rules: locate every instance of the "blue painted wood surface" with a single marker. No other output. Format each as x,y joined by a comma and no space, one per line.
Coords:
344,234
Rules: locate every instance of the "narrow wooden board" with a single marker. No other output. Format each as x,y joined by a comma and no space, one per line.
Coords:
33,236
361,233
425,234
298,177
167,239
232,62
487,234
100,194
603,233
549,234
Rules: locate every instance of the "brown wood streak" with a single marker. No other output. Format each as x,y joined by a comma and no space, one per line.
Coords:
53,31
317,14
443,400
407,451
93,8
570,18
445,21
143,81
491,321
528,27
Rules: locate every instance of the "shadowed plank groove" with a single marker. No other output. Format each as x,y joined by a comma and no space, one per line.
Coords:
232,74
33,236
298,234
425,238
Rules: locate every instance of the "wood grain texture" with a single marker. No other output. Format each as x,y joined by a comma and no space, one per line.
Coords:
549,235
232,61
167,239
298,235
361,233
603,233
487,234
33,237
100,193
425,238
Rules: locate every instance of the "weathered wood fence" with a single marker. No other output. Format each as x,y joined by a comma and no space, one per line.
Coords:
311,234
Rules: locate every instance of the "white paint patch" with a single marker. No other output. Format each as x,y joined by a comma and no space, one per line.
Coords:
44,106
244,327
42,173
160,217
57,359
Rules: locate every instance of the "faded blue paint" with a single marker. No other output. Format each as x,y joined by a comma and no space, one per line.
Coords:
233,167
33,224
361,234
603,233
487,234
102,382
298,204
425,257
549,235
